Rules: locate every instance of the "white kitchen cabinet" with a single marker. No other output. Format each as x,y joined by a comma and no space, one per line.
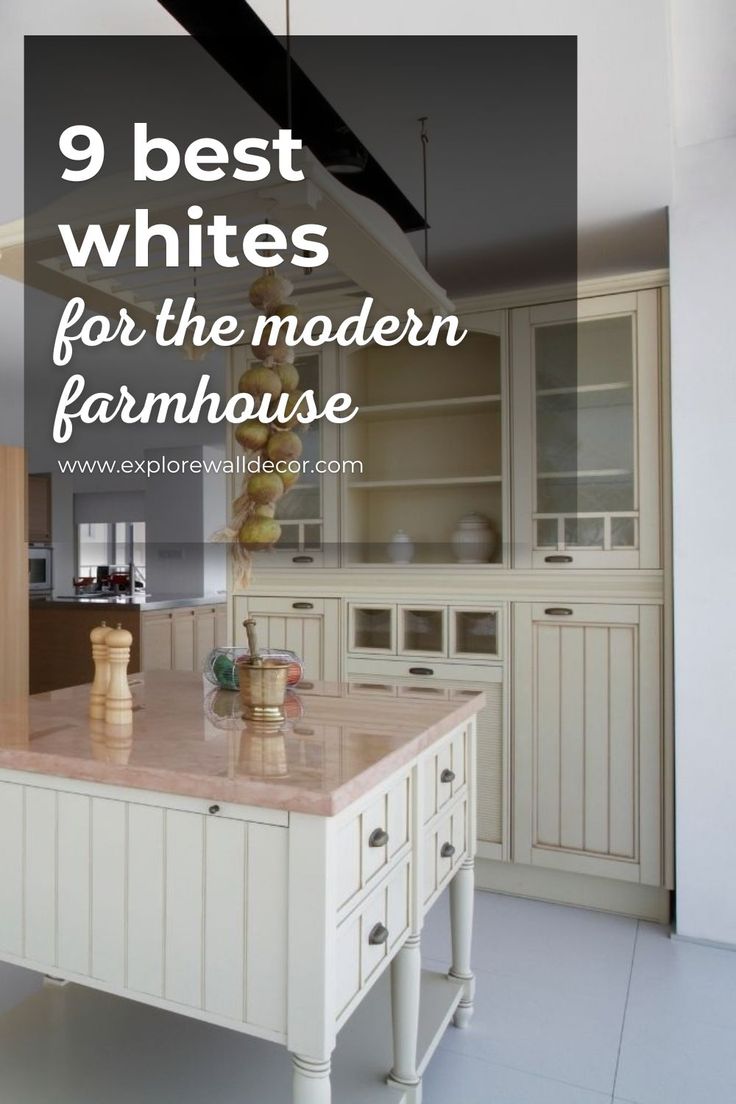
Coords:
156,641
309,626
381,678
183,625
425,630
180,639
588,739
205,634
431,436
221,640
586,415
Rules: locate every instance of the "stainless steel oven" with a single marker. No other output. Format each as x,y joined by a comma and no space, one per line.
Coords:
40,568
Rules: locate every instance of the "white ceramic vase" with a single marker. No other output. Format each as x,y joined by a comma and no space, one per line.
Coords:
474,539
401,548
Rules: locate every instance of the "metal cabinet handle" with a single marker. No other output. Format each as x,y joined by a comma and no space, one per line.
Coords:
558,559
558,611
447,775
378,838
302,559
378,934
214,809
302,605
421,671
447,850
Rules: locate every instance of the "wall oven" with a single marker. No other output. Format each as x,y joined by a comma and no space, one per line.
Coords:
40,575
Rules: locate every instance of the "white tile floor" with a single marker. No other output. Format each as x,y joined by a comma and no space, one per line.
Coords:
577,1007
573,1007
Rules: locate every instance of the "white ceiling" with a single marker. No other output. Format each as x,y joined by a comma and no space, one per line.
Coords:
624,129
624,109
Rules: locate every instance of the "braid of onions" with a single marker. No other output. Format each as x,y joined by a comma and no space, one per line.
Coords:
254,522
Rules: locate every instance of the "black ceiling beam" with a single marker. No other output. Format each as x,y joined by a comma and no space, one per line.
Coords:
241,43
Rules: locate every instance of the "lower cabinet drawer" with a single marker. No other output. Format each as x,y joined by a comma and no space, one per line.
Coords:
367,938
444,848
368,841
444,773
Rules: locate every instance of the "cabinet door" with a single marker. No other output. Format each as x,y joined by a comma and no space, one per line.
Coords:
39,508
307,626
376,678
157,640
586,437
221,626
204,634
183,622
372,627
588,739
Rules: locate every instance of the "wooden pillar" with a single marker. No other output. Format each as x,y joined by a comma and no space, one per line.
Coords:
13,575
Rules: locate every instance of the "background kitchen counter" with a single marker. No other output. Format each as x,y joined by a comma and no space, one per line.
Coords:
126,601
172,632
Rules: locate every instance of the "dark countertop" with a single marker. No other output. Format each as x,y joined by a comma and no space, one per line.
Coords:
126,601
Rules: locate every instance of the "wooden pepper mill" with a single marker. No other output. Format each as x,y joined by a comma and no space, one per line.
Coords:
98,693
119,704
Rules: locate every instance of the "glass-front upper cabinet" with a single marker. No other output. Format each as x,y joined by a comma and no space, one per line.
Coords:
587,427
307,511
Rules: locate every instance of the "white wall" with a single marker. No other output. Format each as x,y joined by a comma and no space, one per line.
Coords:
703,277
47,17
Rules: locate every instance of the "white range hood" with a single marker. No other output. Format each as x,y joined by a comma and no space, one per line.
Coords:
369,254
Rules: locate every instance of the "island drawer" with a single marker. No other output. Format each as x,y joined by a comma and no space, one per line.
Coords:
370,839
444,848
444,773
368,937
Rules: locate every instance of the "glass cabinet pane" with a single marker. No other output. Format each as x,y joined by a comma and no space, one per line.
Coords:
475,632
373,628
303,500
423,630
584,380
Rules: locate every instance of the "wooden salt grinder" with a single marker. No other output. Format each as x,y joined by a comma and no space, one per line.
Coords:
119,704
100,658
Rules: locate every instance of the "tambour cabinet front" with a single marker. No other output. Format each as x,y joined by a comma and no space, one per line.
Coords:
553,425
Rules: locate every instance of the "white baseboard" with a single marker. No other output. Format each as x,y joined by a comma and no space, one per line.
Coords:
703,942
583,890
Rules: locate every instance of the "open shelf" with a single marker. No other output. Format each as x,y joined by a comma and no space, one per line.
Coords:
600,473
88,1060
586,389
472,404
429,436
399,484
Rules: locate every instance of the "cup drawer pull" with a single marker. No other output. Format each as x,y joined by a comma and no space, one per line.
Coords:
447,775
378,934
378,838
558,559
302,559
302,605
558,611
447,850
421,671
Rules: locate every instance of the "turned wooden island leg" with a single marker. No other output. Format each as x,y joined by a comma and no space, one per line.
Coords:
462,889
311,1084
406,977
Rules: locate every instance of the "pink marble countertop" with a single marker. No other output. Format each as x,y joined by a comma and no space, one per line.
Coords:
188,738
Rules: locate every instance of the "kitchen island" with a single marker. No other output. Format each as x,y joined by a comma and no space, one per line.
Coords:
259,880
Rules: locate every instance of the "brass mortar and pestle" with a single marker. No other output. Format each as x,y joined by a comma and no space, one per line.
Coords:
262,682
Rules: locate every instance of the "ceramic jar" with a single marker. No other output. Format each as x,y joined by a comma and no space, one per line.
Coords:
401,548
474,539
